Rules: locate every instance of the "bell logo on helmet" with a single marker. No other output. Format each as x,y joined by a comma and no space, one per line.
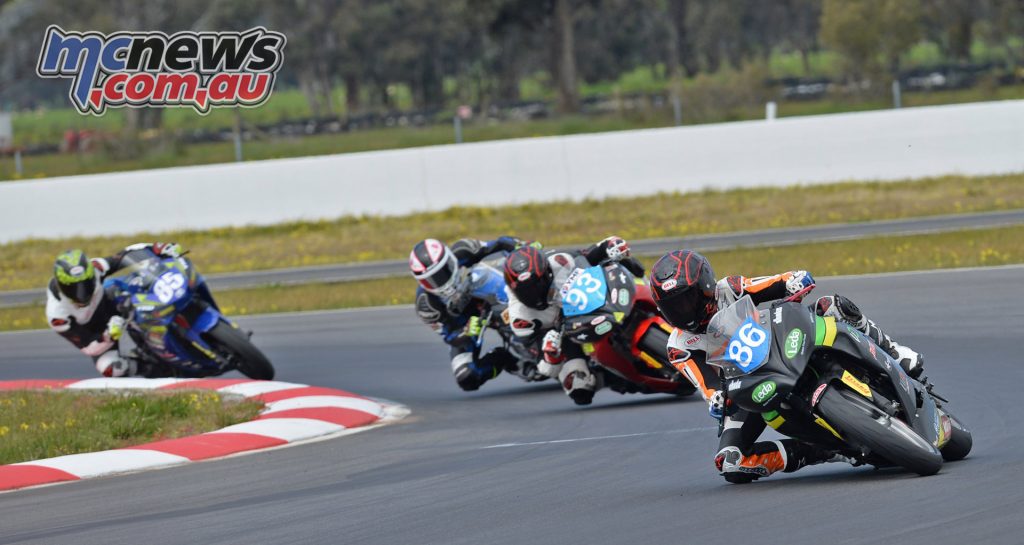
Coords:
76,270
669,284
523,276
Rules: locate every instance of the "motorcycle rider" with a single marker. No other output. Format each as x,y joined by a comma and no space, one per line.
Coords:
534,278
79,309
454,290
684,287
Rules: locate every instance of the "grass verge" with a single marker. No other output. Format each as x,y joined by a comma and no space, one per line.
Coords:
983,247
44,424
27,264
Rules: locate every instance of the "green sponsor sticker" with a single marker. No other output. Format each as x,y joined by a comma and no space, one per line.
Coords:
794,342
763,392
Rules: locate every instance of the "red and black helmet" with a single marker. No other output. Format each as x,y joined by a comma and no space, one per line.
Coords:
434,266
683,285
528,275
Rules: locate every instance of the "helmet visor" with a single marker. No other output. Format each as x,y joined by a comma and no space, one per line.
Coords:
533,292
683,309
441,277
79,292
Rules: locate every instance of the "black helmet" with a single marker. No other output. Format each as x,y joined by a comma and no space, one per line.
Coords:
434,266
684,289
76,277
528,275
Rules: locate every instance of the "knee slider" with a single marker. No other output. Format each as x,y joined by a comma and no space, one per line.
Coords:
578,381
465,376
468,380
111,364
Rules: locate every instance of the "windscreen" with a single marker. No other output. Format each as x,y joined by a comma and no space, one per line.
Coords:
739,344
143,264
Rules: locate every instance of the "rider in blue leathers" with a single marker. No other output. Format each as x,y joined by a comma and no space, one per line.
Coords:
460,292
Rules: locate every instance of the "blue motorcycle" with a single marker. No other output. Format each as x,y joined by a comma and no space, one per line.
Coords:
174,321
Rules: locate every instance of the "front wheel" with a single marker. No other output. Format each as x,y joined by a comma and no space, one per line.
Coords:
960,443
247,358
862,424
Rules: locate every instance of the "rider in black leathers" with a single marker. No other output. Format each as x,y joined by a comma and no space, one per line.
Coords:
457,287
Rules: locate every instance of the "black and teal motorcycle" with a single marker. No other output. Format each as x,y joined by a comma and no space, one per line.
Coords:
824,382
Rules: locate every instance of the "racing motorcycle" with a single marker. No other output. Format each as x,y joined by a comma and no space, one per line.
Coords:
826,383
612,315
175,323
494,315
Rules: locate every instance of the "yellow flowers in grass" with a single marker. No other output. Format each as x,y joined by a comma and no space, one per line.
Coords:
42,424
366,238
980,247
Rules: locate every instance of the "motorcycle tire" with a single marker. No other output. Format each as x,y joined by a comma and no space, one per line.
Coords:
960,443
655,341
251,362
862,424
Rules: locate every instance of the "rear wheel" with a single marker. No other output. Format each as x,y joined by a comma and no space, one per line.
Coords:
655,343
862,424
247,358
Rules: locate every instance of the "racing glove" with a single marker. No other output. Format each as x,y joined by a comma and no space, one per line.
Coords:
615,247
716,405
115,328
551,346
473,327
168,249
799,281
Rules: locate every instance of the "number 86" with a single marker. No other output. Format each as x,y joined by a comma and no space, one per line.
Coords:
740,349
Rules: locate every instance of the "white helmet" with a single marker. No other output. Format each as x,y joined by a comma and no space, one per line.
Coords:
434,266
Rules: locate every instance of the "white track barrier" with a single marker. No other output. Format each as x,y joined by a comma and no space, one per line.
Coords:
980,138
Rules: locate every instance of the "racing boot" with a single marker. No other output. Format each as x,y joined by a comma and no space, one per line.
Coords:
845,310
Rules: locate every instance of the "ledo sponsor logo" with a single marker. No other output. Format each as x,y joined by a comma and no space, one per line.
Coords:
794,341
763,392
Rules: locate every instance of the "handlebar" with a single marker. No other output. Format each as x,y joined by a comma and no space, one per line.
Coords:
798,296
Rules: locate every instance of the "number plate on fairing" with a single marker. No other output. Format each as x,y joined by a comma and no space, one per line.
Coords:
748,347
584,292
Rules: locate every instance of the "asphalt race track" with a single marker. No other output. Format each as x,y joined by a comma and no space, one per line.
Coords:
629,469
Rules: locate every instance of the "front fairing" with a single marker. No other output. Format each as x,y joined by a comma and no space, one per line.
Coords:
584,324
165,290
161,296
487,284
778,342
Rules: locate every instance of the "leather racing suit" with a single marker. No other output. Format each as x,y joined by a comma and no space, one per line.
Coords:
93,328
480,289
578,378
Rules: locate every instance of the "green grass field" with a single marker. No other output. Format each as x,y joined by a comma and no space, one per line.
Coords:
984,247
44,424
28,264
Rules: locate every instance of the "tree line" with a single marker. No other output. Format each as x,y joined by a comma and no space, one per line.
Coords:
479,52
